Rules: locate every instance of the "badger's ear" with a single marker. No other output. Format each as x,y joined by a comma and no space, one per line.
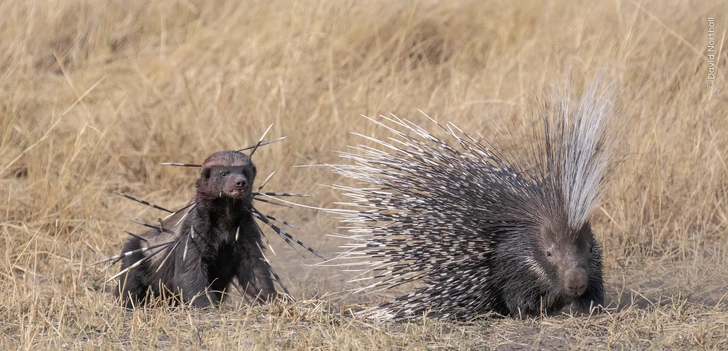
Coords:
205,174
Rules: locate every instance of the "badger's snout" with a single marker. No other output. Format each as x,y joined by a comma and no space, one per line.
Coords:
237,186
575,281
239,182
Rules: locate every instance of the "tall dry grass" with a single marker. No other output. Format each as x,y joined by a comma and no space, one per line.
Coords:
95,94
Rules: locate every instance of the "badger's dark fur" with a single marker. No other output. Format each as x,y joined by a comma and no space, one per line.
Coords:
482,230
216,240
194,254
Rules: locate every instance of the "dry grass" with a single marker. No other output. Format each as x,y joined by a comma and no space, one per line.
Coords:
95,94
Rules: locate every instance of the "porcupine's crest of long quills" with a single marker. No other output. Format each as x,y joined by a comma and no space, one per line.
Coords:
168,238
399,235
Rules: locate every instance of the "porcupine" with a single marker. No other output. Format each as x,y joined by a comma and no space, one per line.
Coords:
197,252
483,230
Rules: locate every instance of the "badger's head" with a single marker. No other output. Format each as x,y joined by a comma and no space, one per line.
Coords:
227,174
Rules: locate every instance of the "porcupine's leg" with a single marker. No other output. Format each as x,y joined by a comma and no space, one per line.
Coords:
521,308
593,297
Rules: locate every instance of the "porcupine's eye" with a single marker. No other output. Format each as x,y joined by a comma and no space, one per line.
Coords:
548,253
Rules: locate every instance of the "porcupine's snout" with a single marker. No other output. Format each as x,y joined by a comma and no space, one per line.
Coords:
575,281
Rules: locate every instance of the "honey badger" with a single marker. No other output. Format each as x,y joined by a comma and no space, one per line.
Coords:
196,253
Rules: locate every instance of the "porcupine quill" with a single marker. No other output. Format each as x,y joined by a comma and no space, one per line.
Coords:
481,230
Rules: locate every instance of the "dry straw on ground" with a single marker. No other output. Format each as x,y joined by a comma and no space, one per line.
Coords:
95,94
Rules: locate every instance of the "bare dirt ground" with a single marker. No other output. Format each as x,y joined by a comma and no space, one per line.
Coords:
94,95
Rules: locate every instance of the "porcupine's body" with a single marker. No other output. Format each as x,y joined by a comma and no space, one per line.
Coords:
215,240
483,231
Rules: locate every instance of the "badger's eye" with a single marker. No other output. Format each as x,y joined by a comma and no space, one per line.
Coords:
223,174
548,253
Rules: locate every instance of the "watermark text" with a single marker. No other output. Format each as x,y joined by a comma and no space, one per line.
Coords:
711,52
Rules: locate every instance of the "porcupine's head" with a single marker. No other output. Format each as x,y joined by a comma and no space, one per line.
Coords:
572,165
227,174
566,257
